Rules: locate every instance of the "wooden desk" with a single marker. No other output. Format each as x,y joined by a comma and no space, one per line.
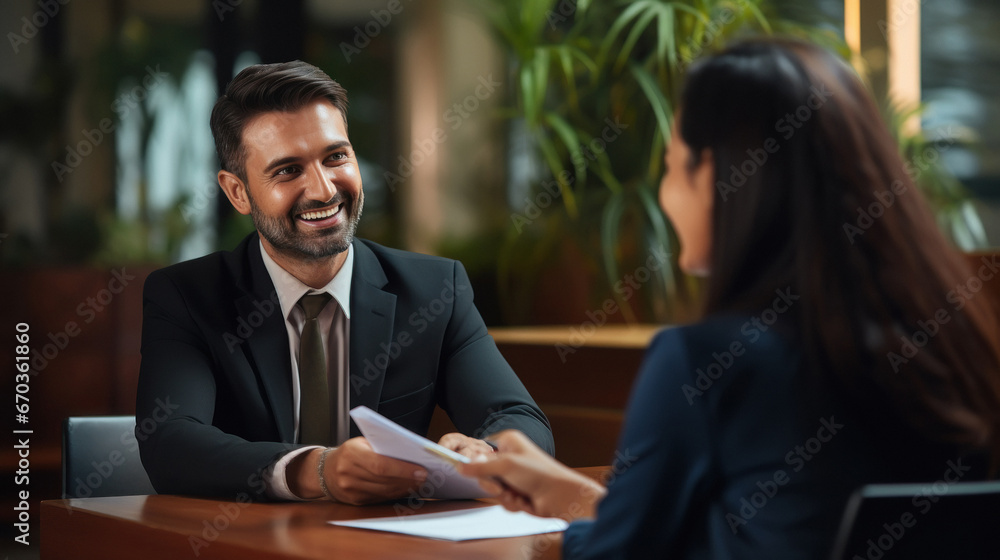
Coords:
173,527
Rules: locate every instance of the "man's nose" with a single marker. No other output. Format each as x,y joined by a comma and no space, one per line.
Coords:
320,186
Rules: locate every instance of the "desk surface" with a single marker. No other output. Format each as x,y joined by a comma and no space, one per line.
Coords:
172,527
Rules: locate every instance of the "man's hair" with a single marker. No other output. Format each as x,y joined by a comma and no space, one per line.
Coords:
262,88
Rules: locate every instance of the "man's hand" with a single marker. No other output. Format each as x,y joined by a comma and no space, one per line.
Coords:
354,474
465,445
525,478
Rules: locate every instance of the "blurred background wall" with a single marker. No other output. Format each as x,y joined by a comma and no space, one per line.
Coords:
107,166
106,156
144,187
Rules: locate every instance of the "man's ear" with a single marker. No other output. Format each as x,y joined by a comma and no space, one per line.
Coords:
235,191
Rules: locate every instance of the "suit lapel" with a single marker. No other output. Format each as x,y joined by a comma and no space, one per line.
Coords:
267,345
372,313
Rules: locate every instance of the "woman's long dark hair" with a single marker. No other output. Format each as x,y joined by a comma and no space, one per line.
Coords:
813,195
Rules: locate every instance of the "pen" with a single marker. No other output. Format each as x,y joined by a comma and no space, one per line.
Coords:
445,456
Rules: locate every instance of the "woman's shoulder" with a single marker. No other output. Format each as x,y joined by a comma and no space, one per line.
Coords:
732,333
718,349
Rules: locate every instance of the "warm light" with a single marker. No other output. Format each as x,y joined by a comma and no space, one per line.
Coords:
852,25
421,74
902,27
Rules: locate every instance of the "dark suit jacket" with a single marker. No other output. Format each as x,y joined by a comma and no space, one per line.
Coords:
214,403
741,453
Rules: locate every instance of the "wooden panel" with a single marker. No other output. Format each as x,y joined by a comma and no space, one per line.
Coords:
128,336
85,325
586,334
72,355
583,395
71,369
582,389
591,377
584,437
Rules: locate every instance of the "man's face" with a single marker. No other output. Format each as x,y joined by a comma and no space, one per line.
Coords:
303,182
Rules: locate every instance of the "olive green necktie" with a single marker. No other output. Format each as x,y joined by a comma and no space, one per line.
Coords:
314,416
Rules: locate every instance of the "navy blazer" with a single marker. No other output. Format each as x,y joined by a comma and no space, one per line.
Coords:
731,449
214,403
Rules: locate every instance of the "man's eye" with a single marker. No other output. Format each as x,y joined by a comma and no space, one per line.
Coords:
287,170
338,156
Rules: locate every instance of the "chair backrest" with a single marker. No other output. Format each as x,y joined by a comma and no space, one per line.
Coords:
100,457
921,521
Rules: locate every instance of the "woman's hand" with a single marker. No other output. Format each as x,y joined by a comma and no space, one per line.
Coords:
525,478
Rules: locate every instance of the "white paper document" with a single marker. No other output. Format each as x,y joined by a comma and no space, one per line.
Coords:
491,522
392,440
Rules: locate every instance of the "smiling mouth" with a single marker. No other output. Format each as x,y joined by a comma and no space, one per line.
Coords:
320,214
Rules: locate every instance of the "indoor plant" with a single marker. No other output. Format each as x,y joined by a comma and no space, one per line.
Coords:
595,90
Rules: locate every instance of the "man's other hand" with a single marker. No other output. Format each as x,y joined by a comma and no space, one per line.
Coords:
465,445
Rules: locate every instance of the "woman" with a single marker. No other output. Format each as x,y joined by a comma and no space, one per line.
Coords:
838,347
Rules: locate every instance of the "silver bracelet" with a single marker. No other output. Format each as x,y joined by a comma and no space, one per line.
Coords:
319,471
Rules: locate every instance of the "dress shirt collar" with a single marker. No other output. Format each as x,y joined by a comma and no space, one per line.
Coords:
290,289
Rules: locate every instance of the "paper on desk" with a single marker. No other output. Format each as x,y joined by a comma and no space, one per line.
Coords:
492,522
392,440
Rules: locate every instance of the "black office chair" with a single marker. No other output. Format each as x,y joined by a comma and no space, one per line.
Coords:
100,457
933,521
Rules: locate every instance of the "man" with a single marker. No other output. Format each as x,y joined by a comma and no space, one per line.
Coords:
251,359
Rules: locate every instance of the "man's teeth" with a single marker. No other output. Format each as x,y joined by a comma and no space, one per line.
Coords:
319,215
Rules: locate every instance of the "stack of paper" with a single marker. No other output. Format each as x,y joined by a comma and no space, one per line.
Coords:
443,481
492,522
392,440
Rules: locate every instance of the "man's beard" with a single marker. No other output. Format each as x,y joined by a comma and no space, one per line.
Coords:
284,235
